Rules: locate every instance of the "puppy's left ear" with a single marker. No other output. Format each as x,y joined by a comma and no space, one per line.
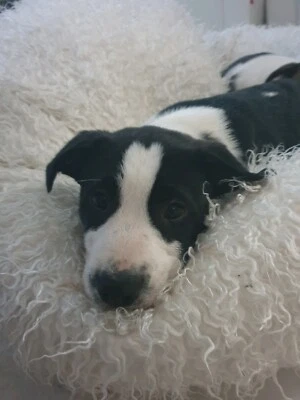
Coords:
220,166
75,155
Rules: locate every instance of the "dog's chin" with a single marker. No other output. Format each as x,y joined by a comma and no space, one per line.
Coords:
140,305
147,302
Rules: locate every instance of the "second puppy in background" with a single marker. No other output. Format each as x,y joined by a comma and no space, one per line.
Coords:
258,68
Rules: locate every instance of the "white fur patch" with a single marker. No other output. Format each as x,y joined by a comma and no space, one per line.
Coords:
139,169
128,239
257,70
199,122
269,94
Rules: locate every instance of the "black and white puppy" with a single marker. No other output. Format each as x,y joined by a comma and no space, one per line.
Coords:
142,201
258,68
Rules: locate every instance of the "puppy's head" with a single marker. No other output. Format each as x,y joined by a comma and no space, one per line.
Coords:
141,205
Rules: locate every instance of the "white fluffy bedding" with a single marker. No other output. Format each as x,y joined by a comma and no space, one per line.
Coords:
233,318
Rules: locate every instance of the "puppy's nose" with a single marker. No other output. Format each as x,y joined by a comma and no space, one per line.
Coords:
119,289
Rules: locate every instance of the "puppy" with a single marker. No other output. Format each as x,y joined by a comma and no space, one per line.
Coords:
142,197
258,68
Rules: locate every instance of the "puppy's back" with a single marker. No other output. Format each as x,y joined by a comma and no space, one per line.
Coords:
266,114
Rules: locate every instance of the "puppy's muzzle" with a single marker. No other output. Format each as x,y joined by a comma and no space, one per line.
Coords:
121,288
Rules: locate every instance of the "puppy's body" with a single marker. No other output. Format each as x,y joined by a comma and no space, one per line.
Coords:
262,115
142,200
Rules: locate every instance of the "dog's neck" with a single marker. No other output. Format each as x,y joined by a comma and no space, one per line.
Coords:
202,122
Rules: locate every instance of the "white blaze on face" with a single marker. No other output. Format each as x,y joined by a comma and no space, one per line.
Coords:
128,240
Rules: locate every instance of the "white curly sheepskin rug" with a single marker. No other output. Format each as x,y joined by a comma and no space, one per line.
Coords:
233,317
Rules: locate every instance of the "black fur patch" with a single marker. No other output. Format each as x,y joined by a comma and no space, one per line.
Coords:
286,71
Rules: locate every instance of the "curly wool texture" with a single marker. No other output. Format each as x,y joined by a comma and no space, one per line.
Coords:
67,66
232,318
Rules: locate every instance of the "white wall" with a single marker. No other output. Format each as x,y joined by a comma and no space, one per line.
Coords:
220,14
283,12
208,11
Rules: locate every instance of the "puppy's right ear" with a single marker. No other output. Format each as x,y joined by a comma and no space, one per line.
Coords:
71,159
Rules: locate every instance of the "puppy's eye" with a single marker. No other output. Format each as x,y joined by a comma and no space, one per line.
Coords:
175,211
100,200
